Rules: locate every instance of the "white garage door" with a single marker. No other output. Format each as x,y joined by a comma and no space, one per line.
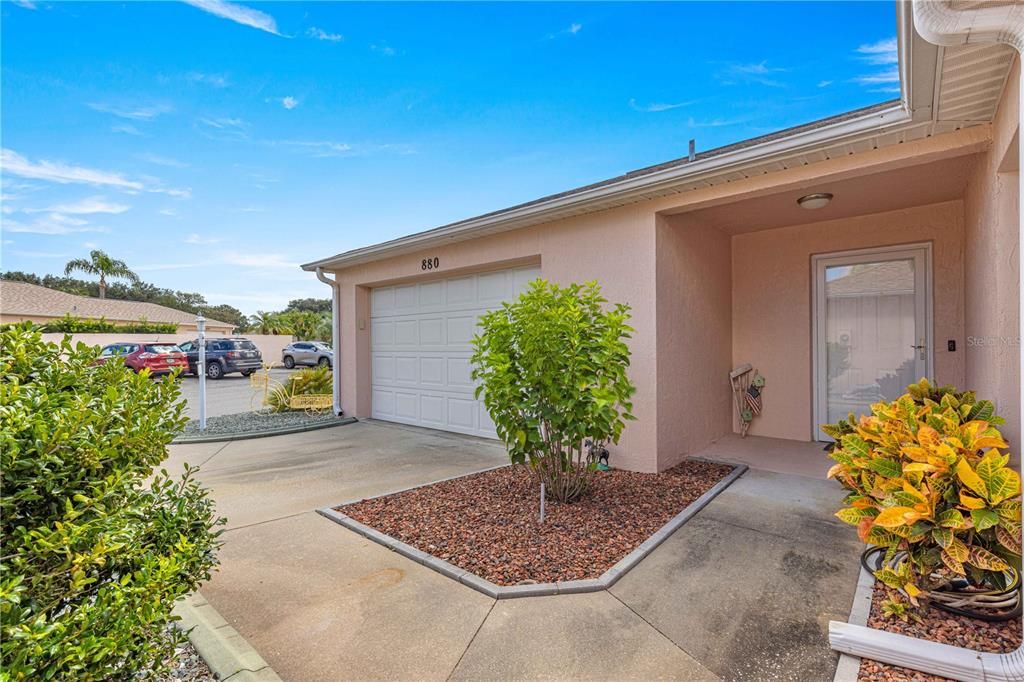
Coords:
420,344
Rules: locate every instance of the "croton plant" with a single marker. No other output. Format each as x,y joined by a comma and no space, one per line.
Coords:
929,481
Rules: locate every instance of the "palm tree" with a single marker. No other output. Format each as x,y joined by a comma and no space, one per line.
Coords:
269,323
103,265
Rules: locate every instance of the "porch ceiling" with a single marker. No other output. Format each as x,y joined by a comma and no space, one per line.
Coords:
919,185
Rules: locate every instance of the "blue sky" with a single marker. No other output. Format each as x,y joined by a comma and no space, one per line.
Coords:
214,145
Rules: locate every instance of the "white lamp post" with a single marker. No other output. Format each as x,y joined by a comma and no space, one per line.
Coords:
201,369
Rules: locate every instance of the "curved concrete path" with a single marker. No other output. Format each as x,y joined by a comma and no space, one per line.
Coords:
728,596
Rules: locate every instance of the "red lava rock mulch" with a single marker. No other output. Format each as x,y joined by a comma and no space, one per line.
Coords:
487,523
937,626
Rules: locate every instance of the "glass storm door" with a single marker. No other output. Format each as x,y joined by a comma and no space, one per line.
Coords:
872,332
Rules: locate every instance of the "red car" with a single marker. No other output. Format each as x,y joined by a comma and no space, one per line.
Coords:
158,358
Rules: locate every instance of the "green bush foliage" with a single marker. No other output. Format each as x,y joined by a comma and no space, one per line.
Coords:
96,549
312,381
928,482
80,325
552,368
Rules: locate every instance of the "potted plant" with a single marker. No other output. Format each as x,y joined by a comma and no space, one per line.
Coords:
933,497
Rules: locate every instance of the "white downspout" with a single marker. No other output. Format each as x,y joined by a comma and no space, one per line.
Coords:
335,340
938,23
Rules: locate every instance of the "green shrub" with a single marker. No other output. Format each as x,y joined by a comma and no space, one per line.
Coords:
312,381
552,368
929,484
94,551
80,325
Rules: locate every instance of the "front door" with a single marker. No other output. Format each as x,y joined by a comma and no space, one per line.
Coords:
872,328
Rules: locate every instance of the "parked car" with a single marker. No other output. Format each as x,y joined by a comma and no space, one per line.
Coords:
307,353
224,356
159,358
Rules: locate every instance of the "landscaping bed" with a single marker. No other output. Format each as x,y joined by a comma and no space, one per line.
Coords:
255,422
936,626
188,666
487,523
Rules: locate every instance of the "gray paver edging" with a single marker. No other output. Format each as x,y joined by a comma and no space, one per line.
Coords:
607,579
223,437
848,668
227,653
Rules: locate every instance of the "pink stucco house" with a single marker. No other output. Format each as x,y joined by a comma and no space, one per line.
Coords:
910,267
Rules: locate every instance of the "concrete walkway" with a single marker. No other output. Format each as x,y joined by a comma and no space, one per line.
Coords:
730,596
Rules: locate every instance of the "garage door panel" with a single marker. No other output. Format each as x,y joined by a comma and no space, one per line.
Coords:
461,290
407,405
421,344
383,368
432,371
407,370
432,331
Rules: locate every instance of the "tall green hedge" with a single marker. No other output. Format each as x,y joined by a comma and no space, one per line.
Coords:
85,325
95,547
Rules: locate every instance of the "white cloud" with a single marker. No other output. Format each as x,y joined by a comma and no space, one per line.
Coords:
883,52
39,254
715,122
757,72
289,102
58,171
317,148
824,84
238,13
48,227
125,128
27,4
141,113
223,123
84,207
321,34
383,49
61,219
258,260
167,212
887,76
574,28
195,238
655,107
252,209
214,79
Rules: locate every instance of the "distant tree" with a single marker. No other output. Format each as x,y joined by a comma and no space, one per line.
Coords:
303,324
227,313
101,264
313,305
269,323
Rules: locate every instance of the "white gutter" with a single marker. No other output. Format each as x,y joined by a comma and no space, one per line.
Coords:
938,23
335,341
630,188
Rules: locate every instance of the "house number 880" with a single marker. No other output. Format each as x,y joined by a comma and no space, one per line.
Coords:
430,263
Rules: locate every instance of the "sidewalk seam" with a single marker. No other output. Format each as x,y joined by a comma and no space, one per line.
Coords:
472,639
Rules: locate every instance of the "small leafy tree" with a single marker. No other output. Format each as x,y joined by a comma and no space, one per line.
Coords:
552,371
929,484
93,555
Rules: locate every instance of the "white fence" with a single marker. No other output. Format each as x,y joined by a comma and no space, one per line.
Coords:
270,345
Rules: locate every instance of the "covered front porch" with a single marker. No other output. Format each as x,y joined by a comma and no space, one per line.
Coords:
900,274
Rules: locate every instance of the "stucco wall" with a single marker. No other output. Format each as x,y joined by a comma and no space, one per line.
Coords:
270,345
992,269
771,301
615,247
694,314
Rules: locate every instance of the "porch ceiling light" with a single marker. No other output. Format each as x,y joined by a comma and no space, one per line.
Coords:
813,201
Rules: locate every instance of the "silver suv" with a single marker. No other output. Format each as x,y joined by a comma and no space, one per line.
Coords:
307,353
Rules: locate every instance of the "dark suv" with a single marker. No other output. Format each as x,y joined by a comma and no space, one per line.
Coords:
224,356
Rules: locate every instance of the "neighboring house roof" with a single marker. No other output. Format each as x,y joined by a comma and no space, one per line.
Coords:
891,278
32,300
942,89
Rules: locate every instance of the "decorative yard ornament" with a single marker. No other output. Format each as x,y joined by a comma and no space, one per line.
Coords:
747,389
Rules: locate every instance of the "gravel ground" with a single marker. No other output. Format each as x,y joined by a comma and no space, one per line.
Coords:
488,524
188,667
249,422
937,626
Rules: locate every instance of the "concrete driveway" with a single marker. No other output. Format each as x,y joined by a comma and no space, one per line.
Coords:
742,592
